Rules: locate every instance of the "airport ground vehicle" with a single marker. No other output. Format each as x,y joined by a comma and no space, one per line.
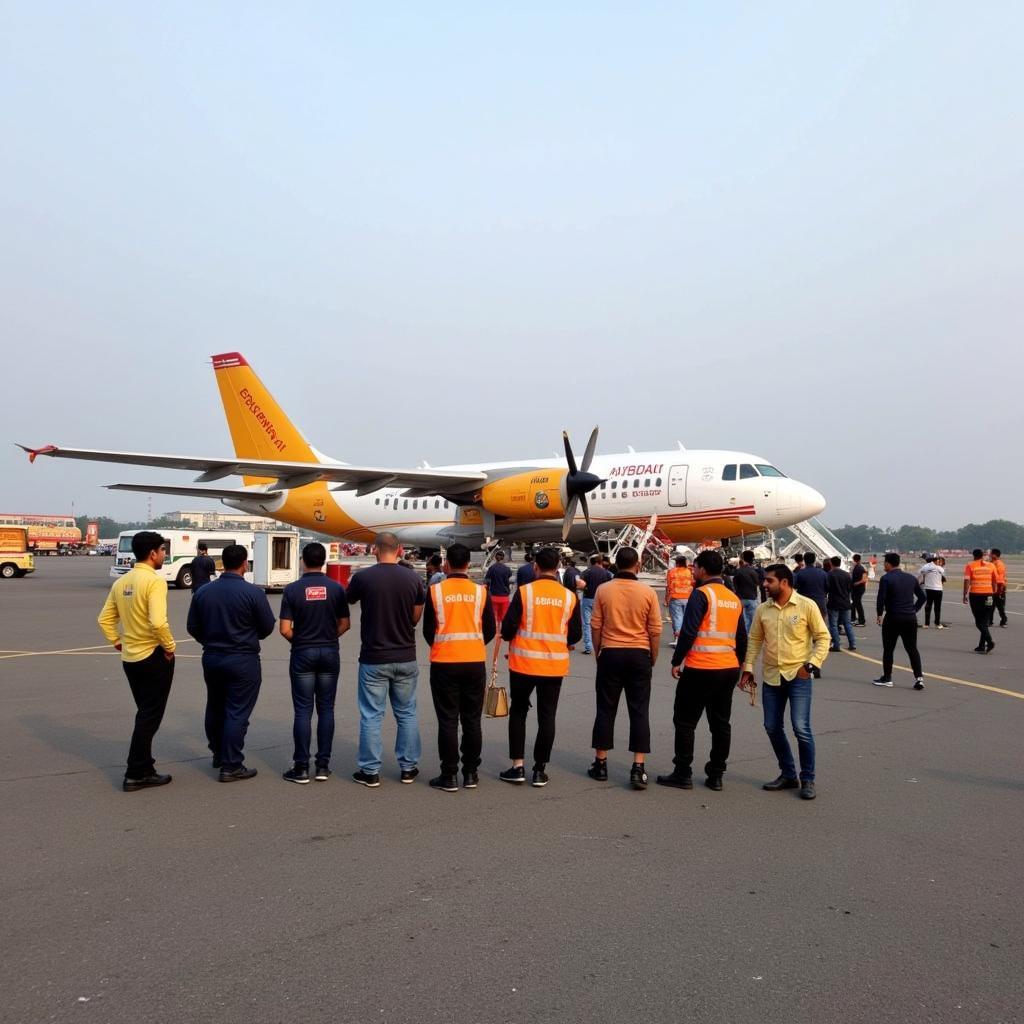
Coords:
15,557
47,535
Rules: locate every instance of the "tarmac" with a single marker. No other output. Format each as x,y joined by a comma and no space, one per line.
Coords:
895,896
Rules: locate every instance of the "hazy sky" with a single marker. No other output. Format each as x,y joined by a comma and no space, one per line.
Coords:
446,231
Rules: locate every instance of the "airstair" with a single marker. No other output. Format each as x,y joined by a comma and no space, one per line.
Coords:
654,546
814,535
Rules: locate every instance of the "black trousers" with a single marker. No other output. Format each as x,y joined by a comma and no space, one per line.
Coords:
150,682
900,628
981,609
232,688
857,594
458,692
998,605
704,691
521,687
932,599
623,670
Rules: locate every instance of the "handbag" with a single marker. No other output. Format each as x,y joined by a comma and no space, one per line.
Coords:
496,699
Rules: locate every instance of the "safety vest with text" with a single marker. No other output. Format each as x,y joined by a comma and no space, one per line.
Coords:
715,646
982,576
539,647
459,611
1000,567
679,583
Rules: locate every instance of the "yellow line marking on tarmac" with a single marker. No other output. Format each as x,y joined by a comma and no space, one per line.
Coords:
108,648
945,679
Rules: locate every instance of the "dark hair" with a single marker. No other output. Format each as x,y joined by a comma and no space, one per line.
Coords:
499,555
836,561
314,555
748,556
891,558
458,556
386,541
201,546
595,559
711,562
856,558
781,572
680,560
978,553
996,552
797,558
435,561
144,542
547,559
529,556
626,559
809,557
234,556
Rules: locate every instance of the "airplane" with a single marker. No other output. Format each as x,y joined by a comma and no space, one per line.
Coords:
695,495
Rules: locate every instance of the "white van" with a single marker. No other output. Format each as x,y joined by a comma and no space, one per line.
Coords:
180,546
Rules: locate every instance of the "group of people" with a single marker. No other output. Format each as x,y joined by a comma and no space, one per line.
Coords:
542,623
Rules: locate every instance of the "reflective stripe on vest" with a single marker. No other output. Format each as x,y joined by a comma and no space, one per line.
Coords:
680,583
715,646
539,647
459,610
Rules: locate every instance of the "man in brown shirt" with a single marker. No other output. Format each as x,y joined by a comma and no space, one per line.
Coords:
626,627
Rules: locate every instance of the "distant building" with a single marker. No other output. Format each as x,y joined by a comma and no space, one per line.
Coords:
210,519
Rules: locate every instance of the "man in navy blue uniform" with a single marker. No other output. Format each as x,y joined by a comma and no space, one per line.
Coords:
812,582
527,572
230,617
314,615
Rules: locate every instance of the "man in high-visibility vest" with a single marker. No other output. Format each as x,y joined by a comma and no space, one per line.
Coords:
678,588
458,623
995,556
712,645
980,588
541,626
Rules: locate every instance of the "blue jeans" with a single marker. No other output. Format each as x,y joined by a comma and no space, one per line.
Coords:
676,610
376,684
314,674
841,617
798,693
587,609
749,607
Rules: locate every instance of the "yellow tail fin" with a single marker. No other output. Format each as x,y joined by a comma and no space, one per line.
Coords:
259,427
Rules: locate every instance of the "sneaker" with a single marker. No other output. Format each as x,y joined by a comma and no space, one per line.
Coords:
940,627
146,782
807,791
586,650
366,779
236,774
513,774
918,683
323,773
882,681
409,775
675,780
539,778
1003,625
598,771
470,780
297,773
448,783
638,776
926,627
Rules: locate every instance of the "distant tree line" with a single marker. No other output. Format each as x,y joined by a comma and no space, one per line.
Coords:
112,527
996,533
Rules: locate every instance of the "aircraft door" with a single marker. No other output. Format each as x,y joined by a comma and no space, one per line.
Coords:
677,485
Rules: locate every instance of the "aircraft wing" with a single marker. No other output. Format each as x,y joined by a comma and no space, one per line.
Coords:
219,493
285,475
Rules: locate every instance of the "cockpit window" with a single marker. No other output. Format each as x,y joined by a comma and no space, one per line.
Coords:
769,471
729,473
747,472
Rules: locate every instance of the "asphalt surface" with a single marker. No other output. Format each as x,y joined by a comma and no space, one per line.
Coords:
895,896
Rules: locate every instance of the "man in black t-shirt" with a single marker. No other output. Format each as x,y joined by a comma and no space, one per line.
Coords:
392,600
859,580
314,615
203,567
592,578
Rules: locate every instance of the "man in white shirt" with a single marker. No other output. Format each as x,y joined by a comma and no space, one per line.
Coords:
931,578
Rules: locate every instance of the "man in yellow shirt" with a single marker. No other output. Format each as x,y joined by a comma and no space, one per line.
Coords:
137,602
790,631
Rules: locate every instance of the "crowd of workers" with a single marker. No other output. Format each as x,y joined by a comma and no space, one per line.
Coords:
721,626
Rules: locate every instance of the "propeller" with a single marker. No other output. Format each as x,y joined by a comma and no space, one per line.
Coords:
578,483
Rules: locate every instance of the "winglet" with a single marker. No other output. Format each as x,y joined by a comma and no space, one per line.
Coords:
228,359
48,449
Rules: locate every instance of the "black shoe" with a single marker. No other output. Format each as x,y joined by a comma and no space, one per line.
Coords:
637,776
1003,625
882,681
675,780
539,778
323,773
215,762
918,683
781,783
470,780
598,770
714,782
851,648
834,650
807,791
990,648
449,783
146,782
513,774
409,775
297,773
236,774
980,649
366,779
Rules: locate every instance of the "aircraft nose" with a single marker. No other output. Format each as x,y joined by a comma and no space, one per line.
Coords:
812,502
